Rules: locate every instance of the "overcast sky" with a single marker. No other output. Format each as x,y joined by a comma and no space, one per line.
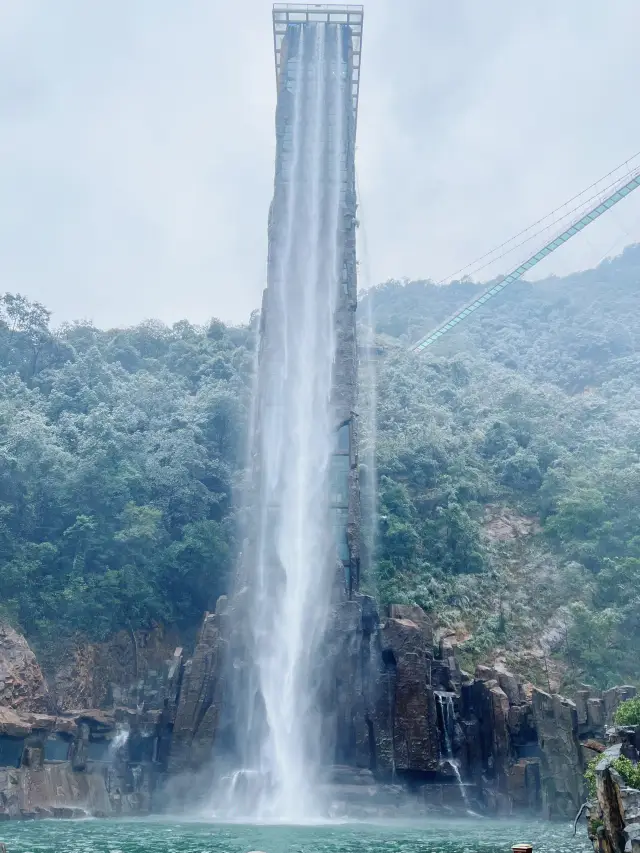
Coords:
137,139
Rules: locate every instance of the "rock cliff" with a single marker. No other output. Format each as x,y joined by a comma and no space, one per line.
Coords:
614,810
22,684
409,728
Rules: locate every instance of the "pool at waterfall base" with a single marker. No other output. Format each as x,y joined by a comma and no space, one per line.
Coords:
445,835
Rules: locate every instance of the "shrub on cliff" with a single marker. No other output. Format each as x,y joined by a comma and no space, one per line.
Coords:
629,771
590,776
628,714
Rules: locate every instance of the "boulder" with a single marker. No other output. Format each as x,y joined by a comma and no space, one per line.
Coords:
13,725
485,673
22,684
509,684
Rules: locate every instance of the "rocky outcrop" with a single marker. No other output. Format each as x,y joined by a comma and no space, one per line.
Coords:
77,765
199,707
614,697
409,699
22,684
614,813
91,675
53,790
561,765
402,715
499,751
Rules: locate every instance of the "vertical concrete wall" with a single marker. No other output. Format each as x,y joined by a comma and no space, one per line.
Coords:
346,509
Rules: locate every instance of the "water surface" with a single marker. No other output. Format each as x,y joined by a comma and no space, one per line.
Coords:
142,836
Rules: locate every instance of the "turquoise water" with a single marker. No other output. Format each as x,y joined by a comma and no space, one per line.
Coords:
141,836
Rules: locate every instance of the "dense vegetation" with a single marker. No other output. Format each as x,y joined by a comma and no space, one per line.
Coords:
117,456
628,713
533,406
119,451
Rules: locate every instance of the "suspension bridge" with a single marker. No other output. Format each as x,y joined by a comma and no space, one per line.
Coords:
579,217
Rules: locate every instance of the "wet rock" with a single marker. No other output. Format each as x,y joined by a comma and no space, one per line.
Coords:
33,757
198,710
63,812
52,790
501,735
524,785
415,734
561,766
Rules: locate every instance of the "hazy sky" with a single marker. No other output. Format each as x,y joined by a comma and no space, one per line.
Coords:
136,143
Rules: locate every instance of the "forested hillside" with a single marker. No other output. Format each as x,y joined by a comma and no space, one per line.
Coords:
508,463
510,471
118,451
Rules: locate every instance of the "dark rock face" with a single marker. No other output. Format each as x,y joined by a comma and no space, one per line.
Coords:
198,710
74,766
413,711
347,685
561,766
500,750
377,701
401,718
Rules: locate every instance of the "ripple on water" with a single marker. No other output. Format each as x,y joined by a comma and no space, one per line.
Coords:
156,836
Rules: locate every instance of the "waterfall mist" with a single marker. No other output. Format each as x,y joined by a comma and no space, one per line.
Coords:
367,410
290,560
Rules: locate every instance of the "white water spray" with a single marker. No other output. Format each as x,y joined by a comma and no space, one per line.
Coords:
118,742
368,411
293,558
448,721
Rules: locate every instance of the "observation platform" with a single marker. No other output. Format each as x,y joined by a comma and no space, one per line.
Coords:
287,14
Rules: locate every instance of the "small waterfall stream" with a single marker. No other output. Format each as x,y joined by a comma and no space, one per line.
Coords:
447,714
118,742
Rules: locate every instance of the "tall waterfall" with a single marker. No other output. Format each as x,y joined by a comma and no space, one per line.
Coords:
290,557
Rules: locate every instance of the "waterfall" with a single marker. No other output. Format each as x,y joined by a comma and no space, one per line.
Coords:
447,712
118,742
290,560
368,407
